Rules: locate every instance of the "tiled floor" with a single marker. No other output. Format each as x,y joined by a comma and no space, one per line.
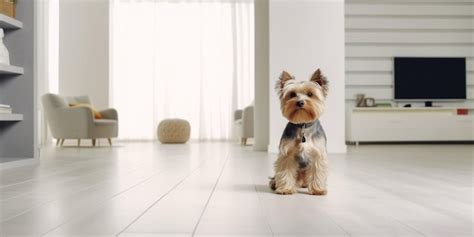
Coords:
220,189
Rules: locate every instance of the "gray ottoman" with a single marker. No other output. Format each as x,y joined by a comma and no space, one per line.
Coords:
174,131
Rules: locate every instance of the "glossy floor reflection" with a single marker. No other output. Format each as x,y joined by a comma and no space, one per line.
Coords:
220,189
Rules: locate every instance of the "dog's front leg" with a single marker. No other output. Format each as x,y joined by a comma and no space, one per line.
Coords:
285,175
317,175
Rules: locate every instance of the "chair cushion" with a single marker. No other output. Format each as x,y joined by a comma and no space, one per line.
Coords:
105,122
97,114
83,99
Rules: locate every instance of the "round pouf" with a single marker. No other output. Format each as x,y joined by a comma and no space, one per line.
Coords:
174,131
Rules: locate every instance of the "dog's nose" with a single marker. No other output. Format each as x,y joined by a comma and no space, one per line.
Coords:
300,103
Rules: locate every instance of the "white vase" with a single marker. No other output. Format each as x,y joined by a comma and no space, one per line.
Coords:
4,54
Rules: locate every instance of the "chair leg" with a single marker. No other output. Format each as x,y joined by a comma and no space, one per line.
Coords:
58,141
62,141
78,142
93,142
110,141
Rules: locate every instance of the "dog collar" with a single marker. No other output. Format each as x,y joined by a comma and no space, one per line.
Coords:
303,126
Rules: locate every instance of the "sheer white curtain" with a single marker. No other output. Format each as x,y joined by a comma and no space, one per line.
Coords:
47,57
181,59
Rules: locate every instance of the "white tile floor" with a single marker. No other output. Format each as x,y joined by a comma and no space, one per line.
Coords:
220,189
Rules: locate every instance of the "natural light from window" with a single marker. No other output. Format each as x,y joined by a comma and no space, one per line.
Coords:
186,59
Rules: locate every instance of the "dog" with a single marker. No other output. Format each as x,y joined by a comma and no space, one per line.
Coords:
302,159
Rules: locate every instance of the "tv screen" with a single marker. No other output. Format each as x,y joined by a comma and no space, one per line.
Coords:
429,78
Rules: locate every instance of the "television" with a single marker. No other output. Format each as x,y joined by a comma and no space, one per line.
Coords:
428,79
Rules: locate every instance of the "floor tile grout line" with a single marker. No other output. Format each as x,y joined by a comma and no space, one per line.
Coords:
394,194
210,195
391,216
113,196
267,221
71,194
408,226
78,165
67,166
332,219
72,180
160,198
41,177
74,166
138,166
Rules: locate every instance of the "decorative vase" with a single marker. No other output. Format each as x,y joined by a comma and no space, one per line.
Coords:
360,100
4,54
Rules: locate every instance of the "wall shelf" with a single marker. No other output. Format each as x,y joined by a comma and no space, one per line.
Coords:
9,23
18,143
11,117
12,70
409,109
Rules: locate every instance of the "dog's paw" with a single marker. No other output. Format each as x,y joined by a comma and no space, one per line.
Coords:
318,192
272,183
284,191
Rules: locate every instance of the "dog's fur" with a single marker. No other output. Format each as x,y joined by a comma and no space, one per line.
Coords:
302,161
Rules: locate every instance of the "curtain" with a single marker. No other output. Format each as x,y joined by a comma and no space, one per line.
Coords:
181,59
47,58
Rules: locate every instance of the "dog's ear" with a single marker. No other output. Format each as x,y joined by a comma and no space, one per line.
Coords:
280,84
321,80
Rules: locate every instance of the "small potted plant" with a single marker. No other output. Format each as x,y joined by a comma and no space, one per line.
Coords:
8,7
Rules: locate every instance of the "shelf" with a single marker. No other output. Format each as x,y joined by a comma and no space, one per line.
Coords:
9,23
409,109
9,69
11,117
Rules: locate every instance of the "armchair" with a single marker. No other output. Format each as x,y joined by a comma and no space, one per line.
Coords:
78,122
243,119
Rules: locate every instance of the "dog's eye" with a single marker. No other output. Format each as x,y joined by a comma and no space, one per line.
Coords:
310,94
292,94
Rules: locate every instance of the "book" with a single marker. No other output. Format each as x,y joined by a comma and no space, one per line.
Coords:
5,110
384,104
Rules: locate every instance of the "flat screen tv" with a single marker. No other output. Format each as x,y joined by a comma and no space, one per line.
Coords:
428,79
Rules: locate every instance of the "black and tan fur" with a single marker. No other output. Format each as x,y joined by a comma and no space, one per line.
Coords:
302,160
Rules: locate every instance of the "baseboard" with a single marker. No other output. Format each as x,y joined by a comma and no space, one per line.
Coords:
19,163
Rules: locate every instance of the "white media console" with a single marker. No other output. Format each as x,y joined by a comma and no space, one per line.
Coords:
425,124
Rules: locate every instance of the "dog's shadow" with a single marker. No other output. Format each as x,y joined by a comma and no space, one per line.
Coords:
260,188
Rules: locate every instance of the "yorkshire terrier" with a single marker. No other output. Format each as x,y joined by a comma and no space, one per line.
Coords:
302,160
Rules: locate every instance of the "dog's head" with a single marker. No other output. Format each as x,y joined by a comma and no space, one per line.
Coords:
302,101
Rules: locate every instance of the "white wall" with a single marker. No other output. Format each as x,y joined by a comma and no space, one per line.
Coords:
377,31
84,49
306,35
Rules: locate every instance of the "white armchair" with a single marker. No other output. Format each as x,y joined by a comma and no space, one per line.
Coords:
243,119
78,122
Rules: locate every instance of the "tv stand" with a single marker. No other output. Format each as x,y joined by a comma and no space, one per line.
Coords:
415,124
428,104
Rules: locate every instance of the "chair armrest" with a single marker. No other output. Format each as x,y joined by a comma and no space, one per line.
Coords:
247,113
74,122
109,114
247,121
238,114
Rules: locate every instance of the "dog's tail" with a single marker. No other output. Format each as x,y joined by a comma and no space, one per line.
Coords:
272,183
